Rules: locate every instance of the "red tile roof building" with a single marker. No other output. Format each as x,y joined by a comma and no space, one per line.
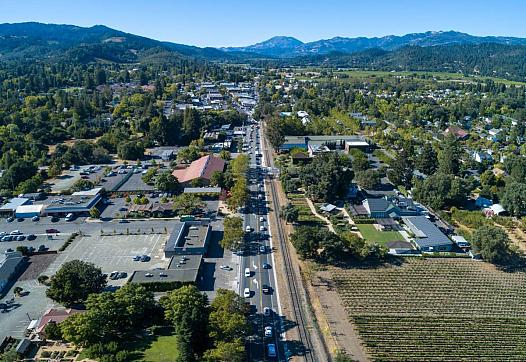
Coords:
54,315
201,169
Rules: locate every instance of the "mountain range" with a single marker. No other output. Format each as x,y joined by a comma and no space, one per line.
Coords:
439,51
288,47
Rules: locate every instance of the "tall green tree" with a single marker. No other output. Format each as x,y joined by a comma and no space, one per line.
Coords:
427,161
492,243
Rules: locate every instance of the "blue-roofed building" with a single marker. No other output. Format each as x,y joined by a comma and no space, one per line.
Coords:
483,202
428,236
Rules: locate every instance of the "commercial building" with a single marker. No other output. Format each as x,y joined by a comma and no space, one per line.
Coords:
188,238
316,144
183,269
79,203
9,208
428,236
28,211
200,170
11,265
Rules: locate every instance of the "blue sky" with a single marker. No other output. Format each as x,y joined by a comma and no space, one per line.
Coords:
236,22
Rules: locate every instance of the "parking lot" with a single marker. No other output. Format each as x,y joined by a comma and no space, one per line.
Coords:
135,183
115,253
51,242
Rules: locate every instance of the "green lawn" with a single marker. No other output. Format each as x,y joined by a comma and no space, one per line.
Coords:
372,235
163,348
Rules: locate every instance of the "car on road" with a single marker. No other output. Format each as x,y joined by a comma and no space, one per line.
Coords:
266,289
246,293
225,267
266,266
248,229
248,273
52,231
261,219
262,248
271,350
262,228
267,311
268,331
35,218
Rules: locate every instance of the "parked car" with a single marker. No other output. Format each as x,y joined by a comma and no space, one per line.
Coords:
52,231
123,275
15,232
10,219
136,258
20,238
268,331
145,258
55,219
31,237
224,267
114,275
42,248
35,218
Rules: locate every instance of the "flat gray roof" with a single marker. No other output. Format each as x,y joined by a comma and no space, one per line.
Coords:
187,235
176,271
14,203
427,234
196,190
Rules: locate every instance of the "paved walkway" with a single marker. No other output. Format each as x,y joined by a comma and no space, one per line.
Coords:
313,210
351,221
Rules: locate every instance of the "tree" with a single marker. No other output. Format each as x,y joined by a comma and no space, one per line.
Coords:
240,165
217,179
186,309
188,154
426,161
18,291
233,233
440,190
226,352
228,316
275,133
449,156
514,198
239,193
74,281
130,150
492,243
225,155
401,172
167,182
327,177
82,185
149,175
368,179
188,204
306,241
53,331
290,213
94,213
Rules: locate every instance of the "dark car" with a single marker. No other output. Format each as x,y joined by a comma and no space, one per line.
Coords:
52,231
266,289
145,258
266,266
42,248
55,219
31,237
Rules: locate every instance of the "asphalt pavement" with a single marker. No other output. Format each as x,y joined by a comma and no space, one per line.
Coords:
258,253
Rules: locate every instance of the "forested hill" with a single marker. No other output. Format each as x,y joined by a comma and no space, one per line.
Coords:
97,43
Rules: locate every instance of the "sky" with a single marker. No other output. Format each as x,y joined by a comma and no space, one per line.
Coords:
220,23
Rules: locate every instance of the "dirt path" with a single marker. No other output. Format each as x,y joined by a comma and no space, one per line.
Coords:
323,218
342,331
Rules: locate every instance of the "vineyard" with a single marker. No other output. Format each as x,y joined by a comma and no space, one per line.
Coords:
437,310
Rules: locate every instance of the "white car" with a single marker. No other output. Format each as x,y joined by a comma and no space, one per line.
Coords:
268,331
267,311
248,229
261,219
246,293
15,232
224,267
248,273
262,228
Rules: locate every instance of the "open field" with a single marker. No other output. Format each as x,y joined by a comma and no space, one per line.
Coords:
381,237
162,348
437,310
439,76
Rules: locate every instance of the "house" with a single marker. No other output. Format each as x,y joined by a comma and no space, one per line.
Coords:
11,265
379,208
53,315
495,209
457,132
200,170
427,235
481,156
328,208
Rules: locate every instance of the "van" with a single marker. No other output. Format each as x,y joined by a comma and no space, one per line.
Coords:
248,272
70,216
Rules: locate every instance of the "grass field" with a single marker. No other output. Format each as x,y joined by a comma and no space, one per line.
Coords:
364,74
381,237
163,348
436,310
